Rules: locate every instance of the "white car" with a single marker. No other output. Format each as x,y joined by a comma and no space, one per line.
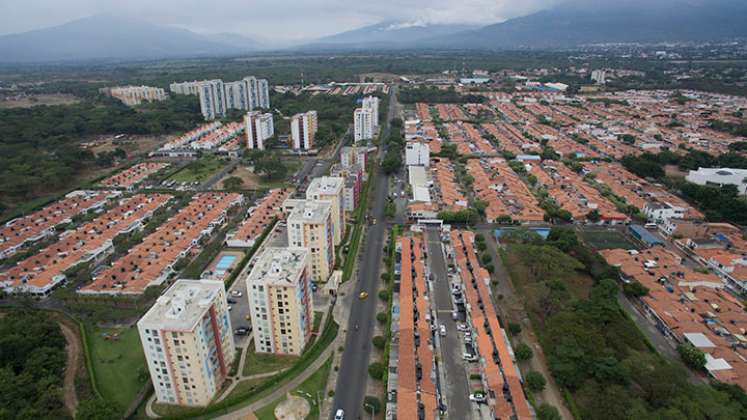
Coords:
340,414
236,293
478,398
469,357
462,328
442,330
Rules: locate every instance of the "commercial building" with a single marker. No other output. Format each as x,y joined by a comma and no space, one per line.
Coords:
280,300
259,127
212,99
330,189
363,124
188,342
417,153
303,130
310,226
135,95
371,103
719,177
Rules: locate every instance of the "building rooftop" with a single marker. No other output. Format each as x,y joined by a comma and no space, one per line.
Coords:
279,266
182,305
325,185
310,211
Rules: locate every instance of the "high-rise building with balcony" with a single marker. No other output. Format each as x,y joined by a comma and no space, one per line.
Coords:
188,342
310,226
330,189
303,130
363,124
212,99
259,127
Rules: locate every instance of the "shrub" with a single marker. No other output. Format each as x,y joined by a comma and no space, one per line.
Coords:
331,393
635,289
382,317
475,376
481,246
692,356
384,295
514,328
376,370
379,342
523,352
385,277
534,381
486,259
480,237
371,403
548,412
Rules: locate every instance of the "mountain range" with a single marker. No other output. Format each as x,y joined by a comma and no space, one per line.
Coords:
576,22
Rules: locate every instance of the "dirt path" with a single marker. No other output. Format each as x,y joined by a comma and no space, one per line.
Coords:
71,367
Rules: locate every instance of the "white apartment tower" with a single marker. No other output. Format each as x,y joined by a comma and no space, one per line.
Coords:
372,103
259,127
263,94
310,226
185,88
280,300
363,124
599,76
237,95
330,189
303,130
212,99
188,342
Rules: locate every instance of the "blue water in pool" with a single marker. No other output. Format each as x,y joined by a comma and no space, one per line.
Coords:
224,264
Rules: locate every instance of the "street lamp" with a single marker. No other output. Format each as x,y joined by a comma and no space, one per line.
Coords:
365,404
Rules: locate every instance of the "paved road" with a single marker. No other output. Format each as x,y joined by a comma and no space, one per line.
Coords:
353,374
456,388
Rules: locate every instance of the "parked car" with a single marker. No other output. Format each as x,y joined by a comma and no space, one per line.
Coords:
470,357
231,301
478,397
442,330
462,327
454,315
236,293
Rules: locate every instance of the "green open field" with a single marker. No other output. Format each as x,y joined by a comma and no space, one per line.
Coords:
308,389
607,239
257,363
118,364
199,170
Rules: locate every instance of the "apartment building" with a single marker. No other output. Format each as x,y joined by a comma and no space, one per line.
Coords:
263,94
212,99
371,103
185,88
310,226
259,127
599,76
280,300
188,342
237,95
135,95
363,124
330,189
353,155
303,130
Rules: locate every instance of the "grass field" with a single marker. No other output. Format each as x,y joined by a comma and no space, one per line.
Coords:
308,389
262,363
606,239
118,364
199,170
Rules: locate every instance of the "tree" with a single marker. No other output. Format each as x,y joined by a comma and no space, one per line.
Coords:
535,381
594,216
635,289
523,352
376,370
271,166
692,356
95,409
514,328
371,405
384,295
547,412
382,317
379,342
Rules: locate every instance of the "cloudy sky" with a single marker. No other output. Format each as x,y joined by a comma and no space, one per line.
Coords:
282,20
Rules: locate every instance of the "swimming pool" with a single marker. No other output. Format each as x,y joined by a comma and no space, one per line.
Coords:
225,262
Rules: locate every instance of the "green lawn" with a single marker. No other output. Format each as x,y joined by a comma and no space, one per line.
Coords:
308,389
199,170
606,239
262,363
118,365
